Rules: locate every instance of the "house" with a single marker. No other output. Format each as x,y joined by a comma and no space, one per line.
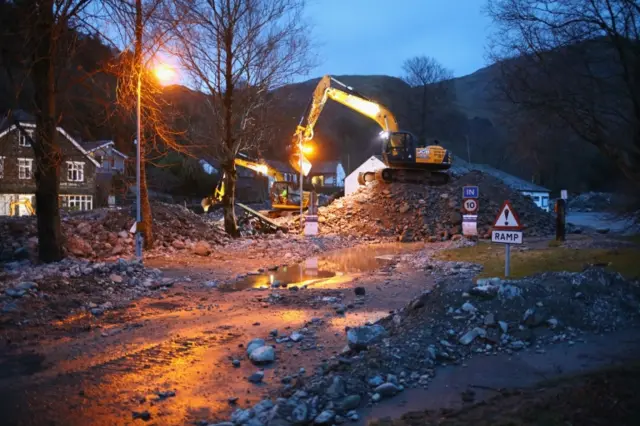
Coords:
372,164
104,152
539,194
326,174
17,164
288,173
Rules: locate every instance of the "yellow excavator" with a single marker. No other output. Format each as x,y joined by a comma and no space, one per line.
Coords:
14,205
284,195
405,160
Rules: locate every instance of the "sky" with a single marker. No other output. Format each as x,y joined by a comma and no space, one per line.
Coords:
376,36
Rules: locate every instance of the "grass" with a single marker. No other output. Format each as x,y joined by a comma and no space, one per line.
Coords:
525,263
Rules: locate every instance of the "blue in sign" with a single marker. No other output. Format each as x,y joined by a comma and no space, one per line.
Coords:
470,192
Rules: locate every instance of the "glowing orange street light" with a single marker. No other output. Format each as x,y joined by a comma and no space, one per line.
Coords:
307,149
164,73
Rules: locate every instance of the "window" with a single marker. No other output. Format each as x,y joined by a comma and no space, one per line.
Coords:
113,162
75,171
76,202
23,140
25,168
1,167
318,180
545,201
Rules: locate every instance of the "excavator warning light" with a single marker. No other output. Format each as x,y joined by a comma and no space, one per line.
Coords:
384,134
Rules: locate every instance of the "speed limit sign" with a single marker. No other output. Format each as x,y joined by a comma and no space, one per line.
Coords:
470,205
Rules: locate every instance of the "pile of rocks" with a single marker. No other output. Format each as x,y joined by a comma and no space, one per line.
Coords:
74,285
418,212
455,321
105,233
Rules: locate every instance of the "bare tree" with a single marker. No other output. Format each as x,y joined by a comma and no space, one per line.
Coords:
431,78
47,45
236,52
576,61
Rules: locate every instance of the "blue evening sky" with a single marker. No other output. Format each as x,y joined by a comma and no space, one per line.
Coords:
376,36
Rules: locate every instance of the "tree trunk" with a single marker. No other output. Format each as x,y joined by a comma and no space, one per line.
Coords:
228,200
147,217
423,116
46,150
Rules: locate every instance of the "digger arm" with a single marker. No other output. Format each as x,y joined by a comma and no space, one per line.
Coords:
344,95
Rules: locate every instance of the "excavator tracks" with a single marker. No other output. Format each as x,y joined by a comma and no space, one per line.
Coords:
394,175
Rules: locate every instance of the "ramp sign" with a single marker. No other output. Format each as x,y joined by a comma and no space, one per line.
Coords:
506,230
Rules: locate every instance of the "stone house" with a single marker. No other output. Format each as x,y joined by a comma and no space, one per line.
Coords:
17,166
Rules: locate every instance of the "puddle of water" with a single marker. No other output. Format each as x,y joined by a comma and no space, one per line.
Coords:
339,263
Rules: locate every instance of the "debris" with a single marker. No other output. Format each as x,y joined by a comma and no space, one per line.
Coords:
361,337
256,377
359,291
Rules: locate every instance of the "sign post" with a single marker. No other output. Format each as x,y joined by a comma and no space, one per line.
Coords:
470,208
506,230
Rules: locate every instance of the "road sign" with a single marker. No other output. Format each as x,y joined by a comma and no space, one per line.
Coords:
470,192
507,219
470,205
506,237
469,225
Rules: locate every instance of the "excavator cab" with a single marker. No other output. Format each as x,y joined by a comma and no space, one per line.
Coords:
285,195
401,149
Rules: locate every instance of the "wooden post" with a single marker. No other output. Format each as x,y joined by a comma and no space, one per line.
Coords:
561,212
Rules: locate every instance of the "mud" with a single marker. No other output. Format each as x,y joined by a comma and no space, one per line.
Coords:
98,371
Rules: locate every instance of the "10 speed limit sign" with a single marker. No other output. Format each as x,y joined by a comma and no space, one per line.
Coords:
470,205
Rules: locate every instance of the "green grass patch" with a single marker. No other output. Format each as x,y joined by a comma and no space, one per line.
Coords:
529,262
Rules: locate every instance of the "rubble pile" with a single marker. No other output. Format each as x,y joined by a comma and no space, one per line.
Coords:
105,233
448,325
73,286
594,201
418,212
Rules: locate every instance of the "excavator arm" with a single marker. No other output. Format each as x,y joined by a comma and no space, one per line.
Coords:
347,96
330,88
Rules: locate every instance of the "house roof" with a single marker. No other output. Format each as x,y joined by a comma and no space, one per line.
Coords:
91,146
17,115
325,167
510,180
280,166
32,125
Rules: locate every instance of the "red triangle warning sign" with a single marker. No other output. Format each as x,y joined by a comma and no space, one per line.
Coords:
507,219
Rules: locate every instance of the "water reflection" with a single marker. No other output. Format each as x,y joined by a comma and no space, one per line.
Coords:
317,269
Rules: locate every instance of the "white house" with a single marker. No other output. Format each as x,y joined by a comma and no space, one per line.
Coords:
372,164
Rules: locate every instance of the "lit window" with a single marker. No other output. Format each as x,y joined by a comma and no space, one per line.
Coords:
25,168
24,139
77,202
75,171
1,167
545,201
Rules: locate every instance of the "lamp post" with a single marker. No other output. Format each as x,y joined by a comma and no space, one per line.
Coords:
164,74
138,165
301,193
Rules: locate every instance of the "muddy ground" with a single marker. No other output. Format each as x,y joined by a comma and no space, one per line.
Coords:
99,370
167,358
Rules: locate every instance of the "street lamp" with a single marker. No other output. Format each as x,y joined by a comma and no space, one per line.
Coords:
164,74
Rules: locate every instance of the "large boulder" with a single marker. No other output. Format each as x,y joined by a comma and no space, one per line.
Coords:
263,355
202,248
